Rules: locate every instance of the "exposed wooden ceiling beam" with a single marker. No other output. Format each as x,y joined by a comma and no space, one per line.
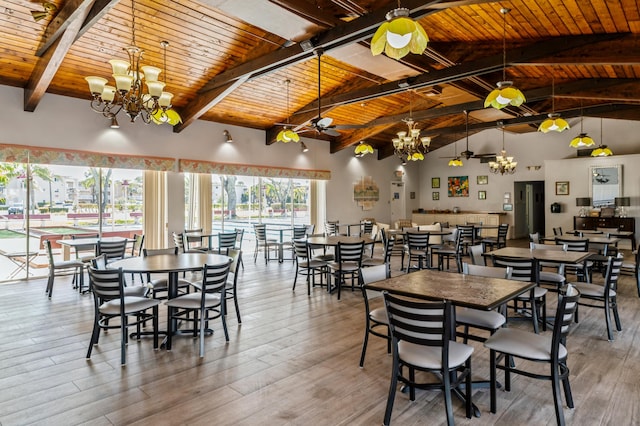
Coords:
48,64
609,110
99,9
69,13
340,35
465,70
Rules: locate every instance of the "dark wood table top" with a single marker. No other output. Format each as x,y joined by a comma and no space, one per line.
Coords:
181,262
461,290
557,256
333,240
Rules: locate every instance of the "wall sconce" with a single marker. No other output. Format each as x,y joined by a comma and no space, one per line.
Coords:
227,136
534,168
303,147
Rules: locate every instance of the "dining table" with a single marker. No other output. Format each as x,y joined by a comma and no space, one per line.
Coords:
171,264
552,256
461,290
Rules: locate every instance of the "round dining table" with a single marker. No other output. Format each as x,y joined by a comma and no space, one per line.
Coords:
170,264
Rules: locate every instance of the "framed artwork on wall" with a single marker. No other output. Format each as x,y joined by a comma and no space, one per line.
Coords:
482,180
562,188
482,195
458,186
507,207
435,196
435,182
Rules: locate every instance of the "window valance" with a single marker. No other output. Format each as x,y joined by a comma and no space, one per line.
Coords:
44,155
194,166
66,157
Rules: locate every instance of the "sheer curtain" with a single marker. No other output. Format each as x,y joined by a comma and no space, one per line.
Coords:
154,209
200,202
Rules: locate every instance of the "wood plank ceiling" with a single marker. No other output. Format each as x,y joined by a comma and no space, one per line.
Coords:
228,60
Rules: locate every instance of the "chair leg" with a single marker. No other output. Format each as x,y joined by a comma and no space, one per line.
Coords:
94,336
123,341
203,320
567,387
607,318
469,396
557,399
616,317
492,379
49,289
392,391
364,343
446,379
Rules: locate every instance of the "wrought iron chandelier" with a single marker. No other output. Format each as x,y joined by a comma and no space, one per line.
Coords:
503,164
409,145
129,95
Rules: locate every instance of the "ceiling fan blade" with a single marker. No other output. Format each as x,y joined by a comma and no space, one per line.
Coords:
492,154
330,132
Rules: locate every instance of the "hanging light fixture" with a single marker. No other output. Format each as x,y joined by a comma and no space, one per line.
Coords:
505,94
128,93
553,122
363,149
409,145
601,150
455,161
287,135
582,139
399,35
503,164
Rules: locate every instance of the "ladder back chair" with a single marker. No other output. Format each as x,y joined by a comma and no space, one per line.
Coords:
110,301
421,340
375,320
513,343
605,296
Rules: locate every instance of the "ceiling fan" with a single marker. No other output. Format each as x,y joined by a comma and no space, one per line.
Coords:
319,124
468,153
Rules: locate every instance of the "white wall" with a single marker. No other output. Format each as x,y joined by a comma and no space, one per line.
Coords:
63,122
534,149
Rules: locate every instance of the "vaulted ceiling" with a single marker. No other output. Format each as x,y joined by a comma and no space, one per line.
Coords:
228,61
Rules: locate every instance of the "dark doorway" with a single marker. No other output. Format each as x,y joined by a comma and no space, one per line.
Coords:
528,209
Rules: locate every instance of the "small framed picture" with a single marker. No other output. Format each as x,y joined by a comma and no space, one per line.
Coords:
435,182
562,188
435,196
412,195
507,207
482,180
482,195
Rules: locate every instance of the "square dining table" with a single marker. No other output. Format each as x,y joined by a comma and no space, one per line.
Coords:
467,291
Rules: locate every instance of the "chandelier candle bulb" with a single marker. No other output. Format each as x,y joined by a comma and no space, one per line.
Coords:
108,93
155,88
96,84
151,73
119,66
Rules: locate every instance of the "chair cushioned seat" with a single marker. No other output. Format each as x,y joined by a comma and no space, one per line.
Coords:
192,301
379,315
431,357
537,293
548,276
346,266
593,290
478,318
313,263
163,283
131,304
65,264
523,344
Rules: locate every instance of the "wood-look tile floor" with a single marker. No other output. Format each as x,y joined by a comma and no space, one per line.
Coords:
293,361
